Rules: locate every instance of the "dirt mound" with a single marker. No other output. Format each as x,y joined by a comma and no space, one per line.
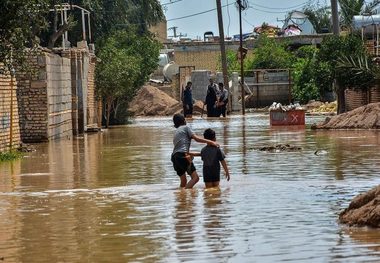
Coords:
151,101
364,210
365,117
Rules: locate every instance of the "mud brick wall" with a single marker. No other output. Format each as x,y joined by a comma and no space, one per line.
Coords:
32,101
5,114
44,96
92,101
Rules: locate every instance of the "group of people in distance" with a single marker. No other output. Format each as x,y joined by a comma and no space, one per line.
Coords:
212,155
216,99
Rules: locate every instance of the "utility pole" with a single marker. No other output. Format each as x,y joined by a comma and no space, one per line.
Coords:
339,90
222,44
174,28
241,60
335,17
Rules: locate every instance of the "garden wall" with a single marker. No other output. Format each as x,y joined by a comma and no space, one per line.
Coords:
44,98
8,93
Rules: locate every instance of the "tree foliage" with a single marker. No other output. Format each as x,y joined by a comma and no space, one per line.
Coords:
350,8
270,54
304,75
127,59
319,17
20,22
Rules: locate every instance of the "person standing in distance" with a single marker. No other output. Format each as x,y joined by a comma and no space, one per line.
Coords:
187,100
211,98
222,100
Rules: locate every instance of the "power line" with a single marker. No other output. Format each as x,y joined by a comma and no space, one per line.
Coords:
272,12
169,3
248,22
278,8
196,14
229,19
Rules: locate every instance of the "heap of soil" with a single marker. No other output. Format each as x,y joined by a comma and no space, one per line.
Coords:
365,117
151,101
364,210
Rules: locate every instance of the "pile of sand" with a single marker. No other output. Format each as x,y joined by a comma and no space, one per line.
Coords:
364,210
151,101
365,117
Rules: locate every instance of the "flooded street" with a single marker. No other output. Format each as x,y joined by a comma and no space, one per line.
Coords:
114,197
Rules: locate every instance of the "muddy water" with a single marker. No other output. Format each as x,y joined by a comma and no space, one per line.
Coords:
113,197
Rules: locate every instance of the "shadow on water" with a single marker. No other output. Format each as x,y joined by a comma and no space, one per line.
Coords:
113,197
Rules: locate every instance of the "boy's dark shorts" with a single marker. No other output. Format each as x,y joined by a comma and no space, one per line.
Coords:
210,174
181,164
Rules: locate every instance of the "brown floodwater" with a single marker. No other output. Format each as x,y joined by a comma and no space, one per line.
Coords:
114,197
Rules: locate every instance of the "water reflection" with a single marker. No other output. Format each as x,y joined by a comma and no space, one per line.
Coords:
113,197
185,218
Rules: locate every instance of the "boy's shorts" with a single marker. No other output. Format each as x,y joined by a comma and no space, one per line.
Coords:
181,164
210,174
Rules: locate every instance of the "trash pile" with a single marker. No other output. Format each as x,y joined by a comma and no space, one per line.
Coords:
279,107
278,148
325,107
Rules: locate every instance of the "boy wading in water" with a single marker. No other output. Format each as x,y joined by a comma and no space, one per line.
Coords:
181,157
212,157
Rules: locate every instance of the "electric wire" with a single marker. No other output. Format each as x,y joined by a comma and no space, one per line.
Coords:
278,8
196,14
169,3
229,19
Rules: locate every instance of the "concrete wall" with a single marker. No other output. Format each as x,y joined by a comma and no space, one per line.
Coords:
6,92
85,105
267,93
200,80
58,76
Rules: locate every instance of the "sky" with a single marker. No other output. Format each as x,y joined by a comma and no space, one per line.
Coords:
259,11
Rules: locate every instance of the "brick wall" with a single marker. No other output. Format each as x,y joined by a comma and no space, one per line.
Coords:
44,97
92,100
6,92
32,101
160,31
202,55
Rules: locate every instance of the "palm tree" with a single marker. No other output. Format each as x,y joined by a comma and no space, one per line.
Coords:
351,8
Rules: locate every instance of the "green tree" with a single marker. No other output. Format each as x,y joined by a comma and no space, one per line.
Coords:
271,54
127,59
334,47
348,9
304,75
319,17
20,22
233,64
